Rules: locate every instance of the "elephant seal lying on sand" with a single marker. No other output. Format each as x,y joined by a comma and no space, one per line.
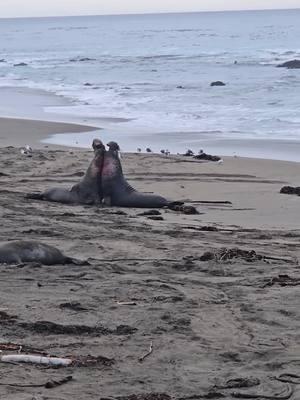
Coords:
117,191
88,191
21,251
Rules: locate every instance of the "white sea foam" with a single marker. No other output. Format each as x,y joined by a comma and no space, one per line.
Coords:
154,72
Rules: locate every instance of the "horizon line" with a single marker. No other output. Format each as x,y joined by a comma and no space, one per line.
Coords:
152,13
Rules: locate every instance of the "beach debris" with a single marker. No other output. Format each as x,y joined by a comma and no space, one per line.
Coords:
239,383
207,157
4,316
284,394
141,359
36,359
211,201
290,190
203,228
48,385
26,151
189,153
292,64
165,152
225,254
288,378
282,280
141,396
148,150
201,156
189,210
8,346
74,361
28,354
217,83
149,212
48,328
139,150
155,218
126,303
73,305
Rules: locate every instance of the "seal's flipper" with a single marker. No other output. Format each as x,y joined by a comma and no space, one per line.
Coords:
74,261
35,196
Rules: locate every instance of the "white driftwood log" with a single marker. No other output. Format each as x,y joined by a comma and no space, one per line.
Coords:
27,358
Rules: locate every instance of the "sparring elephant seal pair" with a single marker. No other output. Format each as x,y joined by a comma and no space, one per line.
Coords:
104,182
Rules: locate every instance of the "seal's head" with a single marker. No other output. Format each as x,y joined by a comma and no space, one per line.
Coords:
98,145
113,146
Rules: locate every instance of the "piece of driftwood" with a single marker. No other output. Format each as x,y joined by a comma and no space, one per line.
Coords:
289,378
284,395
126,303
210,201
34,359
47,385
141,359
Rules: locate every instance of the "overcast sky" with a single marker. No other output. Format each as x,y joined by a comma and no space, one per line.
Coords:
25,8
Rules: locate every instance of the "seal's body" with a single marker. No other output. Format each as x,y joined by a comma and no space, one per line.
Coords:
88,191
117,191
17,252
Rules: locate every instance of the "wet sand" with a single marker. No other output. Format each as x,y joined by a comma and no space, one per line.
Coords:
209,321
21,132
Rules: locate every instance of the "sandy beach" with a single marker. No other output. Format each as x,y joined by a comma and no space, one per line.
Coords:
31,132
219,328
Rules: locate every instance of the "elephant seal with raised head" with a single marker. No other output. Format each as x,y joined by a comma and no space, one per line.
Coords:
88,191
22,251
117,191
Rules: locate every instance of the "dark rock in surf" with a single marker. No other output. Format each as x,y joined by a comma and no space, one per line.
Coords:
293,64
22,64
290,190
218,83
82,59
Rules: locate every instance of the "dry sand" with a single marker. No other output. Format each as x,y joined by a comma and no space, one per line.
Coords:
209,321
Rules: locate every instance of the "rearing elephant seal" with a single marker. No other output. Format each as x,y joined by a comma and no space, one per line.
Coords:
117,191
20,251
88,191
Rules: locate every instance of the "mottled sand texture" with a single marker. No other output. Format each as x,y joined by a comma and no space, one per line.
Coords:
209,321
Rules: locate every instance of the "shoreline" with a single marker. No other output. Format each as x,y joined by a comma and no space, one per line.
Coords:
18,132
26,118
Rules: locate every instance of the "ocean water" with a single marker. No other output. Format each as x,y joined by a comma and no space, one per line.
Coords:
153,72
